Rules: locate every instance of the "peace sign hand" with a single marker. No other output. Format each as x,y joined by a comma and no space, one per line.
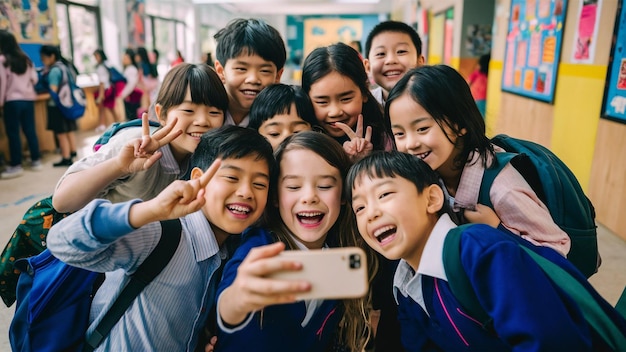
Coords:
140,154
358,146
180,197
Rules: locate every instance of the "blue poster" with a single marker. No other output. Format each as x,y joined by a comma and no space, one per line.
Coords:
614,106
533,48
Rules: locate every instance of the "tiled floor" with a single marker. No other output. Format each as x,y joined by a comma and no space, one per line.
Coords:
17,195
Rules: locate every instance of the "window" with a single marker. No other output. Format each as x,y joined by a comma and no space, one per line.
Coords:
80,37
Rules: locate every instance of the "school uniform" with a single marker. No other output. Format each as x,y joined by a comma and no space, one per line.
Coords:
169,313
529,313
301,326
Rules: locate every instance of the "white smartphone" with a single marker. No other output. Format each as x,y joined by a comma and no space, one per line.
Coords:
334,273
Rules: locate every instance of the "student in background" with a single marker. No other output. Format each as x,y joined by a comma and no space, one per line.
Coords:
17,103
281,110
433,116
131,95
478,83
221,199
336,82
256,313
250,56
63,128
392,48
138,162
398,203
107,91
179,59
148,77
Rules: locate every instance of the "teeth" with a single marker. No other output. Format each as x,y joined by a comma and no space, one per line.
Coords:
250,92
310,214
239,209
422,155
382,230
393,73
196,134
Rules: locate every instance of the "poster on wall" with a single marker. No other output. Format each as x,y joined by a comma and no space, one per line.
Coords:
586,31
533,48
319,32
614,105
30,21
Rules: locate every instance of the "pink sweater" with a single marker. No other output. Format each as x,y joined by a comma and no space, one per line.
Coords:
14,86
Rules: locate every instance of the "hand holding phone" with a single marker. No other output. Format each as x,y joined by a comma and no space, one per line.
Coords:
333,273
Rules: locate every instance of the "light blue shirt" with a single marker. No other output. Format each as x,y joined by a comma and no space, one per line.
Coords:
171,311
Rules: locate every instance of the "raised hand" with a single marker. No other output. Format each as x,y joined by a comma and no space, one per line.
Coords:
141,153
253,290
359,145
482,214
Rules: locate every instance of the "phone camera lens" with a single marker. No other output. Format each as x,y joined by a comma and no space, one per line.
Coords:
355,261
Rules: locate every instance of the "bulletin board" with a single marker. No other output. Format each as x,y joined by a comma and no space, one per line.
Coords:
533,48
614,104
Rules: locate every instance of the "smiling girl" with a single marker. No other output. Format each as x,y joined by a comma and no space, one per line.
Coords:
261,314
335,80
136,164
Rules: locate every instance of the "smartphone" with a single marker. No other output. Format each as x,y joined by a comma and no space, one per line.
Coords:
334,273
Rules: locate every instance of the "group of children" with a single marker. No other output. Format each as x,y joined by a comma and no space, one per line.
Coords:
316,168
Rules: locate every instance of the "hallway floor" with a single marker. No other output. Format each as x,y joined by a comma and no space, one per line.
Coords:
18,194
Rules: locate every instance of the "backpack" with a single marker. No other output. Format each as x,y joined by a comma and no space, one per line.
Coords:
70,99
115,76
557,187
116,127
54,298
29,238
610,327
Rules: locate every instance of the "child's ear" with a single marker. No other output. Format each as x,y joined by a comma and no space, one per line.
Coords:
196,172
219,69
435,198
421,61
158,108
279,74
366,63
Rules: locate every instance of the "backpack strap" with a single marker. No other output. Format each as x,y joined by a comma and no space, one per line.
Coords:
147,271
621,304
499,162
460,284
595,316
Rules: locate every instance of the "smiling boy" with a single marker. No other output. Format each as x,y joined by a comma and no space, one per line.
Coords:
117,238
392,48
398,203
250,56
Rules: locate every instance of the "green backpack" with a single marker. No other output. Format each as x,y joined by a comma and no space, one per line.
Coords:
557,187
463,290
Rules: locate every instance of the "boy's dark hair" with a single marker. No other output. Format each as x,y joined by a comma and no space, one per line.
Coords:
232,142
345,60
204,84
16,60
250,36
446,96
381,164
276,99
393,26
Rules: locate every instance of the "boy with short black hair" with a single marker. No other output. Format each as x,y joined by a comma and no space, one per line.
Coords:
398,203
392,48
117,238
250,56
280,111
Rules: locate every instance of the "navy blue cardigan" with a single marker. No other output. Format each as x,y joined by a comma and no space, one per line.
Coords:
529,312
279,327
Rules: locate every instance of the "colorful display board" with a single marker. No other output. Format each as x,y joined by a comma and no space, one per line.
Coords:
533,48
614,105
